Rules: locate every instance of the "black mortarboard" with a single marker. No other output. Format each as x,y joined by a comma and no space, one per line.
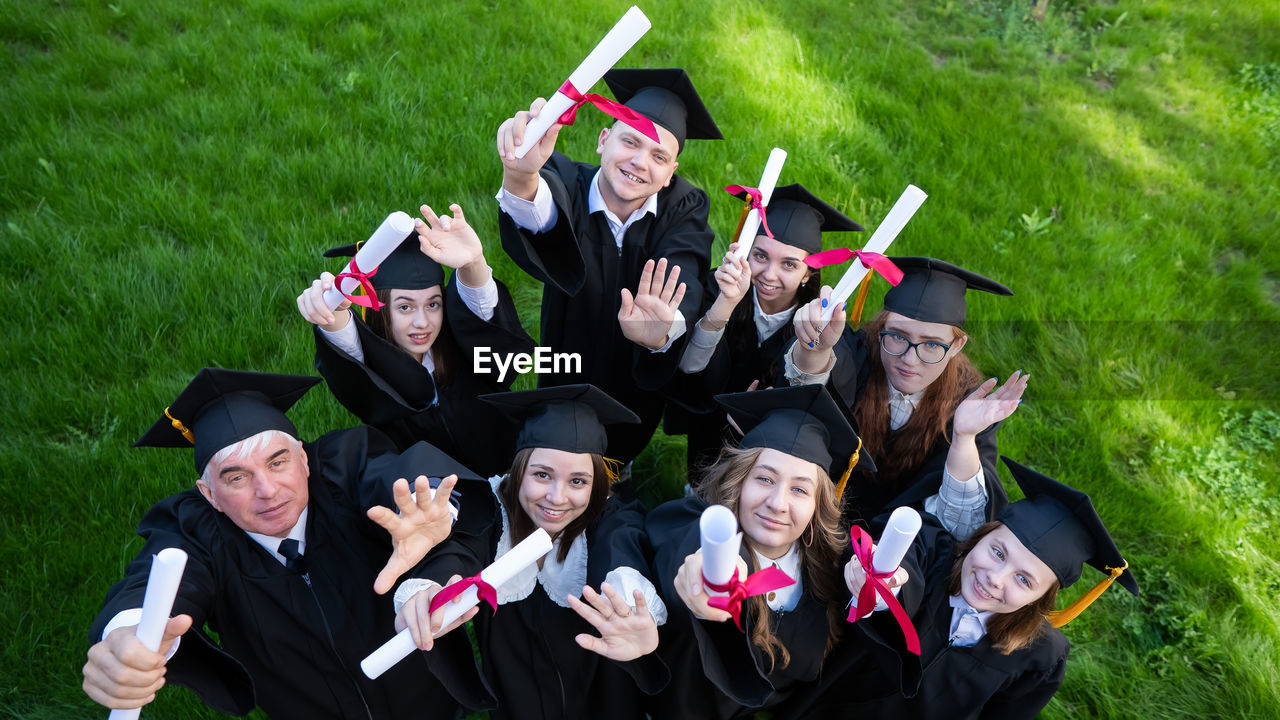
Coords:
802,421
1060,525
797,217
665,96
933,291
406,268
219,408
567,417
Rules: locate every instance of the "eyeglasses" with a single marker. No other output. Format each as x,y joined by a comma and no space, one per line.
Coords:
929,351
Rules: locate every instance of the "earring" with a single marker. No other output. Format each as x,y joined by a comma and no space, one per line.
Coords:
809,542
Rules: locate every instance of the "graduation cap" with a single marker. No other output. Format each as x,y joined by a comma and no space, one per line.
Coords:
802,421
797,217
567,417
219,408
406,268
933,291
667,97
1060,526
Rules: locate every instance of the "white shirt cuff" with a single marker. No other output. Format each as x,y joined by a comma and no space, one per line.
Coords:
796,376
702,345
959,506
627,580
347,340
482,300
673,333
538,215
409,588
129,618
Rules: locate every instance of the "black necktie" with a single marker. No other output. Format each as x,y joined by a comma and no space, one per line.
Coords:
292,558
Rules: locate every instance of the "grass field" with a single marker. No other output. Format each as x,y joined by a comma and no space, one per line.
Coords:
169,173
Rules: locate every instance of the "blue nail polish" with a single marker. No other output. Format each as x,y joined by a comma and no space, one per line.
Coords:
824,302
810,344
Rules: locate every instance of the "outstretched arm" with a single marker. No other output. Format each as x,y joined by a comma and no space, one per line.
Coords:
122,673
420,525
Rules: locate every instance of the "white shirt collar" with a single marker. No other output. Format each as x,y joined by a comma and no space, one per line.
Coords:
783,599
969,634
297,532
896,395
766,324
595,203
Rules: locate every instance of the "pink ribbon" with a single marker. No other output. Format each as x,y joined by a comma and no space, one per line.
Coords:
872,261
874,585
370,298
757,583
756,202
483,589
613,109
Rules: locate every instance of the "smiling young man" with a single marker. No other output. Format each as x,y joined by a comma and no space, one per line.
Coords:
286,562
587,232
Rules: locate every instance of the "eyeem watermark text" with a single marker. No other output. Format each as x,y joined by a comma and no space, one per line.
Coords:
543,361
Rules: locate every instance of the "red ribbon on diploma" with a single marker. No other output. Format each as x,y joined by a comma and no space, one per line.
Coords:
613,109
757,583
872,261
483,589
755,195
370,297
861,540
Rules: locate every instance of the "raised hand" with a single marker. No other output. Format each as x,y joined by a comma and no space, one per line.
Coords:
424,625
625,634
812,351
689,587
122,673
511,134
646,319
989,404
312,307
449,241
418,527
733,276
855,576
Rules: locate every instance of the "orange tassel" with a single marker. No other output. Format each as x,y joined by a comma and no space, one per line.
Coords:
177,425
612,469
1058,618
855,317
742,220
844,479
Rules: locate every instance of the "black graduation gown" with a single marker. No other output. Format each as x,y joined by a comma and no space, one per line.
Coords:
867,496
393,392
583,273
291,643
716,671
945,682
527,648
739,360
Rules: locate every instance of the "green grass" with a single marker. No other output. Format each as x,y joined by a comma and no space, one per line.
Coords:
169,173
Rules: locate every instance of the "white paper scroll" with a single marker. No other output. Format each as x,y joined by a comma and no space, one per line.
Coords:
768,181
524,554
908,203
624,35
720,543
898,535
162,588
380,244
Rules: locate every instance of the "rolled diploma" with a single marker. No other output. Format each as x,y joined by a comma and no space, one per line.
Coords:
624,35
898,535
720,543
768,181
380,244
162,588
908,203
524,554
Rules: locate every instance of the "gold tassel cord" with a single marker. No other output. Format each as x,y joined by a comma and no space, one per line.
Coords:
844,479
1058,618
612,468
855,317
742,220
177,425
